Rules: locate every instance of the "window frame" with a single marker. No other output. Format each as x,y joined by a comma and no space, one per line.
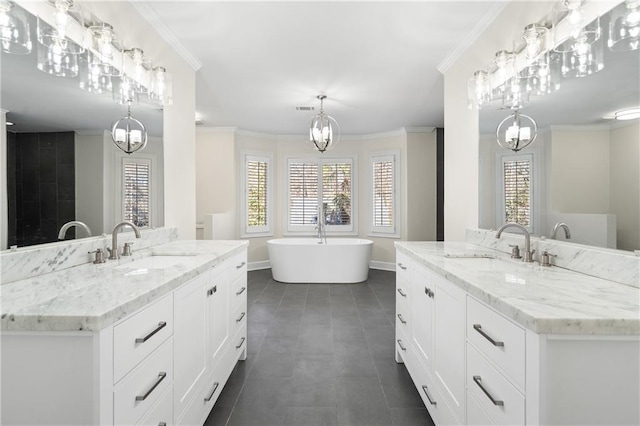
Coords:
352,228
534,187
394,230
150,161
260,231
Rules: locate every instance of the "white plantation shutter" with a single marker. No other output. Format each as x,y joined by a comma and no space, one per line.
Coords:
258,193
336,193
383,194
137,191
516,173
303,193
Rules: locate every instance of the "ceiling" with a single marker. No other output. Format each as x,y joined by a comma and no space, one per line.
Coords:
377,63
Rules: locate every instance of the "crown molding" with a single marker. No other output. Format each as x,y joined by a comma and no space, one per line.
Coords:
150,15
204,129
420,129
249,133
578,128
472,36
618,124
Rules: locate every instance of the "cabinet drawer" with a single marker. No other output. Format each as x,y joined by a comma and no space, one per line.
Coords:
161,413
402,342
402,316
403,267
238,296
239,342
237,266
476,416
499,398
139,335
239,319
140,390
432,398
502,341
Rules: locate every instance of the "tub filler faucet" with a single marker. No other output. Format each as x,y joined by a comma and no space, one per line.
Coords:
321,226
567,233
76,223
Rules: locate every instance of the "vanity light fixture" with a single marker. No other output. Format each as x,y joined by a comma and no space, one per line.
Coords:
139,75
129,134
106,48
535,38
627,114
54,36
324,132
479,90
516,131
91,77
55,61
15,36
624,27
160,87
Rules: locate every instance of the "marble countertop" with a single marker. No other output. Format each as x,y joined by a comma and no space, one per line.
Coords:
546,300
90,297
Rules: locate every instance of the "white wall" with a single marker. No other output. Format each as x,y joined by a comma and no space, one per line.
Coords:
90,207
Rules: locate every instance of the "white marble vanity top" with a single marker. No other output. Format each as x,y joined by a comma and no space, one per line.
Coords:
545,300
90,297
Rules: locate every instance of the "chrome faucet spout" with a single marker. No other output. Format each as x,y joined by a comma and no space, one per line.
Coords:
527,254
113,251
567,232
76,223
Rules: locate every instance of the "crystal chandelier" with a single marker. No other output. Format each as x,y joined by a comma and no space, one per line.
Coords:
324,131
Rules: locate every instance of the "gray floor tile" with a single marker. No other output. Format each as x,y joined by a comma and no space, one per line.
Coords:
411,417
308,416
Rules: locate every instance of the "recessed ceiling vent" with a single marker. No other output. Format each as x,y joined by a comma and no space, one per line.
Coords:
305,108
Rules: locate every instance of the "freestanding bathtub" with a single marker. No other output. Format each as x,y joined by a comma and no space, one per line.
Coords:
306,260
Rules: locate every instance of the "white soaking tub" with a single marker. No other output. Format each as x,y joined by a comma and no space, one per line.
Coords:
306,260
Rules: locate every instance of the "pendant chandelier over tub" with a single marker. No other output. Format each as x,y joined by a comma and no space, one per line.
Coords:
324,132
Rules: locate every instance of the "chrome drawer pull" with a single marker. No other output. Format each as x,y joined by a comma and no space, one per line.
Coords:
402,266
240,318
215,388
162,424
429,292
241,291
161,325
402,320
241,342
478,328
161,377
212,290
426,392
403,294
241,265
478,381
401,345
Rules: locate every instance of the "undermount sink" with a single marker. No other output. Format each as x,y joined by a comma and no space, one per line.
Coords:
153,262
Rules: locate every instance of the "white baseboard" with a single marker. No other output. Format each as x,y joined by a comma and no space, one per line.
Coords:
256,266
383,266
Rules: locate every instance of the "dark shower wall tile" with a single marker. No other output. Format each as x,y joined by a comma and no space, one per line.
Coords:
47,165
66,183
65,148
31,216
30,182
48,201
28,146
47,140
66,212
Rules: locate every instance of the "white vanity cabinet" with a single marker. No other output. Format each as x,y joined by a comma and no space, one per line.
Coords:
165,363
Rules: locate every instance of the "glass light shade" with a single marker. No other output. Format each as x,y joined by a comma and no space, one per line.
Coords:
161,90
479,90
568,20
586,59
91,78
324,131
535,38
124,91
139,73
516,132
56,62
624,27
515,95
544,74
129,134
107,48
15,34
576,39
54,35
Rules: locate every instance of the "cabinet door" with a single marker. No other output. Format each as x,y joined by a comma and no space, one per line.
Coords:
449,343
190,360
422,291
218,314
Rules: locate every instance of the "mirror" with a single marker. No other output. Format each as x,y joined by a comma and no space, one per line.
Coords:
61,162
586,169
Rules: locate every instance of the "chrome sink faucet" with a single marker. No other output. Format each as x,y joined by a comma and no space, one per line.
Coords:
527,255
567,233
76,223
113,251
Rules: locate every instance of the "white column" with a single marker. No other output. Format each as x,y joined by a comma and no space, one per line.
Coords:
4,199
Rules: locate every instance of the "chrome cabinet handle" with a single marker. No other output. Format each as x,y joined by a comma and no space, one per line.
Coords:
241,265
241,342
478,381
161,325
478,328
162,424
402,320
215,388
403,294
426,392
241,291
240,318
161,376
429,292
402,266
212,290
401,345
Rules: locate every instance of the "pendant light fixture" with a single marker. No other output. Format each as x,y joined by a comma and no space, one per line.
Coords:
129,134
516,131
324,132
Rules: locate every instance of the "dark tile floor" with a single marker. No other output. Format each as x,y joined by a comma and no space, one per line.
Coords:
320,354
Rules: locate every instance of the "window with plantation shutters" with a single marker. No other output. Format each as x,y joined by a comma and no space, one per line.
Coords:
516,180
258,194
137,192
320,185
383,202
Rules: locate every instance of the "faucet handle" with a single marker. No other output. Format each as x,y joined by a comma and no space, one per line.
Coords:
515,251
126,250
99,256
546,257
